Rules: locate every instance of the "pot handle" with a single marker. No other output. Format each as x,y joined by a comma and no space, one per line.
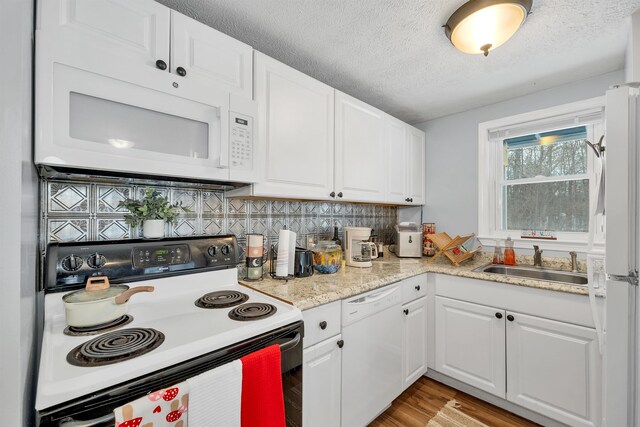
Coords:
97,283
124,297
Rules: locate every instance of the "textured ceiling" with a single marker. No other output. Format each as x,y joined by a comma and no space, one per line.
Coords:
395,56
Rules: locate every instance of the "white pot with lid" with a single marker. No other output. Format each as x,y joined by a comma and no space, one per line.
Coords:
98,302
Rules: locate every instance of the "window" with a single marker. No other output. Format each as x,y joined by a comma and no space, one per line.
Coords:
538,173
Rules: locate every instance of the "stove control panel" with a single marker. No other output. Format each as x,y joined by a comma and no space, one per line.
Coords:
68,265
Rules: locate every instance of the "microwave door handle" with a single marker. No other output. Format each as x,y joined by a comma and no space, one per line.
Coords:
225,140
106,420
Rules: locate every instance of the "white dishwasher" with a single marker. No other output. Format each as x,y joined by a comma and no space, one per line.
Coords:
372,354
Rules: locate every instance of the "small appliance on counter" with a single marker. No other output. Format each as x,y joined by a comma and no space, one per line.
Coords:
408,240
303,263
359,251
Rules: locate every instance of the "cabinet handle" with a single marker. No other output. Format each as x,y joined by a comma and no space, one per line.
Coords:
407,199
340,343
406,311
332,194
418,288
411,199
181,71
340,194
161,64
510,318
323,325
499,315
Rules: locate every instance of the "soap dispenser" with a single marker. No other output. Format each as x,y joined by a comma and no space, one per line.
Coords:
509,253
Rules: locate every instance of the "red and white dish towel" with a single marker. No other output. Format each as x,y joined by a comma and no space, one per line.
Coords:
163,408
243,393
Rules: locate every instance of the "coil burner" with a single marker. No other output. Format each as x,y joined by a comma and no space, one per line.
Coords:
221,299
252,311
116,346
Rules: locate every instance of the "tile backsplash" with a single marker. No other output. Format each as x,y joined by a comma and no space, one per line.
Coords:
83,210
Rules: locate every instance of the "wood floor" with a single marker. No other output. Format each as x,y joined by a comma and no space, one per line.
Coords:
420,402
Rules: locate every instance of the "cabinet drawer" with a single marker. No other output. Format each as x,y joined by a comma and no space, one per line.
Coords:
414,288
321,323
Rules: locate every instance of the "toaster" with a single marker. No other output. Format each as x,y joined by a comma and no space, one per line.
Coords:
408,244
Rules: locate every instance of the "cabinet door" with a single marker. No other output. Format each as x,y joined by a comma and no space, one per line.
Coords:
414,341
322,373
396,160
92,34
416,165
210,57
359,144
554,368
470,344
296,132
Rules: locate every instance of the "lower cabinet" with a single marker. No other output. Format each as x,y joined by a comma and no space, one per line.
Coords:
321,385
550,367
554,368
414,341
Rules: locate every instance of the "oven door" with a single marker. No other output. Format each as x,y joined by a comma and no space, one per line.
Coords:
96,409
108,123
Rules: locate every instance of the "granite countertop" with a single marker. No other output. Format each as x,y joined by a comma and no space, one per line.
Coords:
309,292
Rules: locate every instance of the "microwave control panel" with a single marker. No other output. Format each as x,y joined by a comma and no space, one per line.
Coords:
241,142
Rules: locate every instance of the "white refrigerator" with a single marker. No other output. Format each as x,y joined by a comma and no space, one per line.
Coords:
621,405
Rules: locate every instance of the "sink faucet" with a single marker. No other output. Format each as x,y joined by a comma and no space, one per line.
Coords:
537,256
574,262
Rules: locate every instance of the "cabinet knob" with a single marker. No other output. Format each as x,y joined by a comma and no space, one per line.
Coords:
340,194
323,325
406,311
407,199
411,199
332,194
510,318
340,343
181,71
417,287
161,64
499,315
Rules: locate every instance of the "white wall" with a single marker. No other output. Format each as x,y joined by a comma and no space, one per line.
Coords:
18,214
452,151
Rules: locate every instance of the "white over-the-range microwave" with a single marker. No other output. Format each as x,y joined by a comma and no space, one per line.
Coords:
129,122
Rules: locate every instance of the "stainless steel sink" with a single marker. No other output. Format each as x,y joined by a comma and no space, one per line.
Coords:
536,273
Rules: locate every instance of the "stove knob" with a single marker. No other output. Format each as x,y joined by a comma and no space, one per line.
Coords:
212,251
225,250
96,260
72,263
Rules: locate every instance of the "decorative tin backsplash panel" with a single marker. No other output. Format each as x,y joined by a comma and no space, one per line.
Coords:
78,211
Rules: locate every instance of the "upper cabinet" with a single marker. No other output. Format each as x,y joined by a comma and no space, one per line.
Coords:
415,166
295,132
212,58
360,158
126,39
396,160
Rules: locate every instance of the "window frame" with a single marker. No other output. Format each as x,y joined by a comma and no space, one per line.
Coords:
491,173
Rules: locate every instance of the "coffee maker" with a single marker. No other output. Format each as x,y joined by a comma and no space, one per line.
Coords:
359,251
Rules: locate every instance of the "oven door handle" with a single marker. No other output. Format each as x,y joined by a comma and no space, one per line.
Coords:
291,343
106,420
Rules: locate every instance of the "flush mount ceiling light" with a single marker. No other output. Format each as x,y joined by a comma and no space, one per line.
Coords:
480,26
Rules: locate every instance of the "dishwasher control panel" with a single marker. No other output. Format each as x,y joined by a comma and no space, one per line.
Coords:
370,303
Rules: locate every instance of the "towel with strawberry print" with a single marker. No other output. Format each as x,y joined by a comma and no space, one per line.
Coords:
163,408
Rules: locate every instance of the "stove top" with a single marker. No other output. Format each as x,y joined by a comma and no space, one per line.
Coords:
252,311
74,366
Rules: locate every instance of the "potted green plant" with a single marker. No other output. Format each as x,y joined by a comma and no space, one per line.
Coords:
153,211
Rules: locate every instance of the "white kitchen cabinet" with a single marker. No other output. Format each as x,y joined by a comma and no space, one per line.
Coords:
296,132
209,57
415,166
92,34
359,150
414,341
396,170
470,344
321,386
554,368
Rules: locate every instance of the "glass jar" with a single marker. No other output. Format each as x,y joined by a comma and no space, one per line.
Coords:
327,257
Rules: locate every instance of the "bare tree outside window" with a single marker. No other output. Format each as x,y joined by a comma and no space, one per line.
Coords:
545,184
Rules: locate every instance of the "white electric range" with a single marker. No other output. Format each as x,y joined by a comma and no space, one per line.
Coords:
167,335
